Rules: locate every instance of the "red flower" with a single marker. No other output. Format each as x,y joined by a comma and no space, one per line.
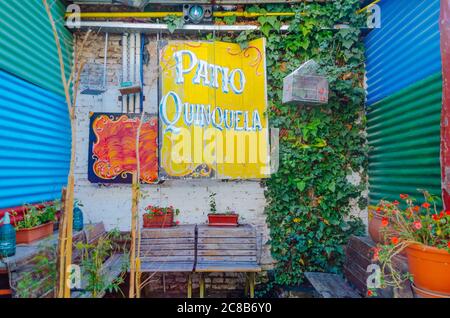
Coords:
426,205
435,217
441,215
416,208
448,244
384,221
376,251
395,202
447,212
394,240
417,225
403,196
177,222
369,293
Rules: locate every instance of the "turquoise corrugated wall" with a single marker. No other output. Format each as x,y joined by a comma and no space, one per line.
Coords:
404,100
34,125
27,45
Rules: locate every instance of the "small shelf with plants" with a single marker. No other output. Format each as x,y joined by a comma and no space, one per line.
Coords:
228,218
159,217
37,223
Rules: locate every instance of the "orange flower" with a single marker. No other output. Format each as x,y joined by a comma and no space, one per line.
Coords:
426,205
384,221
394,240
416,208
403,196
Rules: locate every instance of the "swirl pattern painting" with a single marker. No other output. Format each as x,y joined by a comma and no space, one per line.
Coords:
112,148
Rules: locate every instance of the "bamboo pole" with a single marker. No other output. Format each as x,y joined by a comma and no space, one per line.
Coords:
134,213
66,235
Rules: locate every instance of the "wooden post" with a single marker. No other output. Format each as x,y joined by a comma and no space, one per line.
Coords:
189,291
252,285
134,216
202,286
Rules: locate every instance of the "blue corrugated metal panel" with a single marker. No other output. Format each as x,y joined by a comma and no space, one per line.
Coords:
405,49
27,45
35,143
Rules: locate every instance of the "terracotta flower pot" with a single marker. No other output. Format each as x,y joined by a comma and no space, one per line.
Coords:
430,268
376,229
27,236
223,219
158,221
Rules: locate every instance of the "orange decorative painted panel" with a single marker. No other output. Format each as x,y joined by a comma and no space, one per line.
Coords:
112,148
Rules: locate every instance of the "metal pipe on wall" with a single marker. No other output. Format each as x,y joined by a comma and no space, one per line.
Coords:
124,68
132,69
137,72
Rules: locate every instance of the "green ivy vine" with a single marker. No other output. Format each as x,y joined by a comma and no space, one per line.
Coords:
308,209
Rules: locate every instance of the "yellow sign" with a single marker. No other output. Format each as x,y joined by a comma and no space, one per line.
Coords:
213,110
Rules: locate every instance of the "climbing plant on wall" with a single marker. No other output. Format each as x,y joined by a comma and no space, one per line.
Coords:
308,209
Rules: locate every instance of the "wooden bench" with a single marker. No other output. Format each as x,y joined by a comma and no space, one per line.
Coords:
228,249
169,250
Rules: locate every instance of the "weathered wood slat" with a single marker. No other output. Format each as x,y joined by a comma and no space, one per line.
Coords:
226,240
168,259
150,267
207,267
168,253
177,231
164,247
229,252
331,285
230,259
223,246
230,233
183,240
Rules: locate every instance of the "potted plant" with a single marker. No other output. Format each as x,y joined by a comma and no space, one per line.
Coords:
379,225
229,218
159,217
36,224
424,234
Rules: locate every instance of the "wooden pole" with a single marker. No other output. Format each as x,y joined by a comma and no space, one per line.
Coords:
134,213
65,251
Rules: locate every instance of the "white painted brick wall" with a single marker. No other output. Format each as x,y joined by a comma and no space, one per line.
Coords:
112,204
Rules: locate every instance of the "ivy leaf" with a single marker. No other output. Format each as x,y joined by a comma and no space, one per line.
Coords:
265,29
301,185
230,19
332,186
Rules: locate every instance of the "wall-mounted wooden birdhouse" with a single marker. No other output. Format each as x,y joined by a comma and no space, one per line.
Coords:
305,86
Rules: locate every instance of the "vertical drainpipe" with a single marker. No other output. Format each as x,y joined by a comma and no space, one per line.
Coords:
445,119
124,69
132,69
137,72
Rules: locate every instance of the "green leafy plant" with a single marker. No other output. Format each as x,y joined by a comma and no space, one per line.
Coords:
154,210
308,210
34,217
92,258
174,22
42,278
212,203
